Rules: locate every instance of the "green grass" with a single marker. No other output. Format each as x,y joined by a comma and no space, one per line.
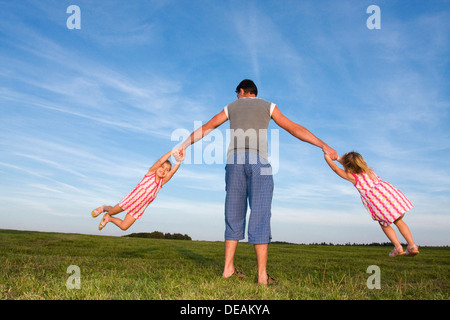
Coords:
33,266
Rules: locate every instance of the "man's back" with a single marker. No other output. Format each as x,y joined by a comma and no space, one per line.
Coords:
249,119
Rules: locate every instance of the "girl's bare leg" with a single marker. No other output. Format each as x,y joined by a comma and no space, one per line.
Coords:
113,210
122,224
390,233
110,211
404,230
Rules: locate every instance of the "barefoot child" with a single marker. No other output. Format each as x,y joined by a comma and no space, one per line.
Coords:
135,203
385,203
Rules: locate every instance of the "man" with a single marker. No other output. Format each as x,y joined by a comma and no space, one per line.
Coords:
248,173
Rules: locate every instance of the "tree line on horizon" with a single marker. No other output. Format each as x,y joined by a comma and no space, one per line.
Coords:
159,235
179,236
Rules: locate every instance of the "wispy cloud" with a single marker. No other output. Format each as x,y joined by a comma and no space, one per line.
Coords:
94,90
267,48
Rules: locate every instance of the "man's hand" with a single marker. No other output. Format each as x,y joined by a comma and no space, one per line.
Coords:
331,152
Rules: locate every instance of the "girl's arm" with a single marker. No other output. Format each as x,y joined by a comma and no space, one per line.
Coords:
172,171
179,156
342,173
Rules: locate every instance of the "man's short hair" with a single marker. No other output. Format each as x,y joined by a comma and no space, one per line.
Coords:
249,86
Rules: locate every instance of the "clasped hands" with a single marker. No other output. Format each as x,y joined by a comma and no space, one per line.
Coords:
178,154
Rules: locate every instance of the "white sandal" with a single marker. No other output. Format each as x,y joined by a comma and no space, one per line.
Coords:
396,252
412,251
103,222
96,212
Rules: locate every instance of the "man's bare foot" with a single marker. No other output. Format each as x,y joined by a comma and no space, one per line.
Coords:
235,272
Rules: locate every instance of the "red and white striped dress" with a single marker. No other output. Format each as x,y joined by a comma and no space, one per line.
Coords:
384,202
142,195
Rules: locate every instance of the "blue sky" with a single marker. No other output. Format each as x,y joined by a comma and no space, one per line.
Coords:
85,112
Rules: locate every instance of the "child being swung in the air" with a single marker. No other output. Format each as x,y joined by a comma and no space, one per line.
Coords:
385,203
135,203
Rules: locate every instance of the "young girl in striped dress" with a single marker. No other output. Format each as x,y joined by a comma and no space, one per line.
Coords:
385,203
135,203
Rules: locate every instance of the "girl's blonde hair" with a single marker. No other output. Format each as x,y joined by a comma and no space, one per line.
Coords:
169,163
353,162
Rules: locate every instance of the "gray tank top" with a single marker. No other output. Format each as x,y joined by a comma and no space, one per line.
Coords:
249,120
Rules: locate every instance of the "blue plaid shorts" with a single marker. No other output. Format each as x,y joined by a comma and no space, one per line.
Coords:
249,178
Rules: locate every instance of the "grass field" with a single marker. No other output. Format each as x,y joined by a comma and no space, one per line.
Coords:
34,265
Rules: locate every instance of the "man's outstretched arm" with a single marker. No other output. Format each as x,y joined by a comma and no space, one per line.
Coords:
301,132
204,130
